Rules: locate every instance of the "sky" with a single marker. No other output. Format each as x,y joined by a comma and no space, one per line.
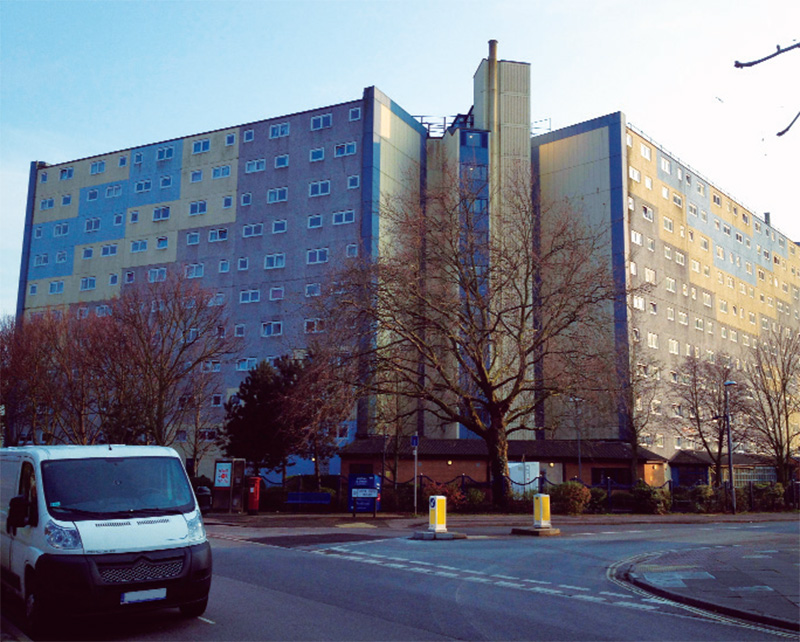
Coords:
79,78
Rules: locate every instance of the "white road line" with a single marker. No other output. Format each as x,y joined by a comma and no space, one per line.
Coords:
505,577
396,565
611,594
636,605
588,598
540,589
507,584
573,588
206,620
541,582
445,574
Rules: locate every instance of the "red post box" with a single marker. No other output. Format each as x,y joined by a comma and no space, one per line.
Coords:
253,495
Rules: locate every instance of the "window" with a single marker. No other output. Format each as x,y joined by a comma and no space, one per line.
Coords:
649,275
647,212
248,136
668,224
633,268
224,266
278,227
238,330
220,234
161,213
130,276
670,314
56,287
667,252
91,195
88,283
716,200
272,329
274,261
196,176
680,258
60,229
243,264
200,146
279,131
683,318
164,153
652,340
162,243
344,149
704,243
221,171
677,200
319,255
165,182
192,238
142,186
342,218
666,167
670,284
137,158
156,275
40,260
43,177
197,207
653,307
47,203
321,122
98,167
353,182
66,174
138,246
91,225
319,188
351,251
355,113
651,244
316,155
254,229
645,151
276,293
227,202
634,174
258,165
103,310
312,289
108,250
37,233
314,221
88,253
674,346
66,199
61,256
246,364
230,139
249,296
246,199
665,192
636,237
114,191
282,161
278,195
216,400
638,302
314,326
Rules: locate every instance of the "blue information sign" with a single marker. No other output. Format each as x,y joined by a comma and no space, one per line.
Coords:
364,493
414,441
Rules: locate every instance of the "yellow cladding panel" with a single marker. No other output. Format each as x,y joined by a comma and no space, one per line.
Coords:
541,510
437,513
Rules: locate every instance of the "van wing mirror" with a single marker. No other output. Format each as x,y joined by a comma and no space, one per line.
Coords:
18,512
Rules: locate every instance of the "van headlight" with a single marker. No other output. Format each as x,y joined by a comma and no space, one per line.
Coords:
62,537
197,532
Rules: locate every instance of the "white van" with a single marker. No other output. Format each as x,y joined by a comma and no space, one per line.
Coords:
98,529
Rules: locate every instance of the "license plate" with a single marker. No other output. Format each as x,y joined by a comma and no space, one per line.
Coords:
149,595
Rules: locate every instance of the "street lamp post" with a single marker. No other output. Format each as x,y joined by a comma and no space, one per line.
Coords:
726,385
576,401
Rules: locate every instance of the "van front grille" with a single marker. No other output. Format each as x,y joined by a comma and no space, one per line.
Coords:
142,570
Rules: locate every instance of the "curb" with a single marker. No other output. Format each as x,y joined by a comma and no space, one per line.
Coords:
757,618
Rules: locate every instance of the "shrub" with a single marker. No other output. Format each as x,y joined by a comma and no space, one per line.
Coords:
649,500
455,496
272,498
570,498
621,500
598,503
475,497
768,497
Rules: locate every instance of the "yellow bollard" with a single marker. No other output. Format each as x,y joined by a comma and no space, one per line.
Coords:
541,511
437,514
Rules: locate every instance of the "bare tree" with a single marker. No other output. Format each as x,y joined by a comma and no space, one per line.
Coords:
169,332
753,63
700,393
464,310
773,382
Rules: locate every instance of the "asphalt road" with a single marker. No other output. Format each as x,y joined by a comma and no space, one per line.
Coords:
373,584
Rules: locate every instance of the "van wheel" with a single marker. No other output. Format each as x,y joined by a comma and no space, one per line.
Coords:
34,616
194,609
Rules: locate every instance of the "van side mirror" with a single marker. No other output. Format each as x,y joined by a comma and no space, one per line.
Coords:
18,510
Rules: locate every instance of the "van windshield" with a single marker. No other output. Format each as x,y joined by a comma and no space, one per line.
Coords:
115,487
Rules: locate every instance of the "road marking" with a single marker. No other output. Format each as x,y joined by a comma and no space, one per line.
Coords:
206,620
634,531
573,588
636,605
541,589
445,574
506,584
395,565
505,577
538,582
588,598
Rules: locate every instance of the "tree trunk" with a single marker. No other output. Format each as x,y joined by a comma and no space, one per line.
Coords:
497,444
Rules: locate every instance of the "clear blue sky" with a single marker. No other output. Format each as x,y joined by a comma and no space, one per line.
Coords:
84,78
